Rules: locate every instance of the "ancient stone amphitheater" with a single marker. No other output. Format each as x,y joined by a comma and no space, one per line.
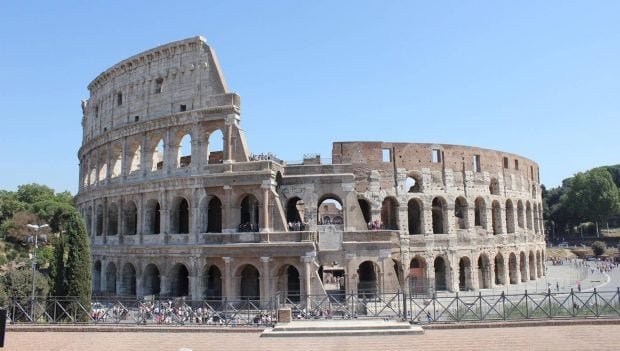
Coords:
177,205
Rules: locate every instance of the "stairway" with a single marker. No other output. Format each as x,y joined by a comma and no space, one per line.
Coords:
348,327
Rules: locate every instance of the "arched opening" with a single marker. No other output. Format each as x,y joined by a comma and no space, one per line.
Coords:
460,212
512,269
213,284
295,211
135,150
179,280
528,213
520,214
539,267
389,213
413,184
535,219
153,217
151,280
439,216
89,220
465,274
112,219
414,216
180,217
365,207
418,283
288,285
329,207
214,216
523,266
367,284
131,218
215,153
484,272
480,213
494,186
157,161
128,280
500,279
110,279
184,156
533,191
496,218
510,217
103,166
116,161
532,261
99,221
441,273
97,277
249,214
250,283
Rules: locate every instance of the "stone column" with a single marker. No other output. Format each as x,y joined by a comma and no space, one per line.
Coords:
144,163
124,168
229,123
227,225
264,213
228,278
265,279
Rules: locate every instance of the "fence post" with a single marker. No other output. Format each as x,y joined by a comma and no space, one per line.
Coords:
596,313
572,298
503,297
405,316
480,304
458,316
527,309
434,308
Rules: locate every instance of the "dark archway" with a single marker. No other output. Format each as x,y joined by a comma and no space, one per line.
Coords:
512,269
213,284
440,274
179,280
131,218
112,219
484,272
389,213
532,261
182,217
250,283
153,219
329,207
523,266
500,278
510,217
110,276
99,220
249,214
439,215
288,284
295,210
128,280
97,277
460,212
418,282
414,215
480,213
367,285
465,274
151,280
214,216
496,218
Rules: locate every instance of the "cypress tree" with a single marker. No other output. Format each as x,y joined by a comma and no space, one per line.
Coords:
78,267
57,268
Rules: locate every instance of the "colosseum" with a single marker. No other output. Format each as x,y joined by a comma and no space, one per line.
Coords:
177,205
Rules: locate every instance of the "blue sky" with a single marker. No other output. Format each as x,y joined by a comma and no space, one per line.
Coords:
536,78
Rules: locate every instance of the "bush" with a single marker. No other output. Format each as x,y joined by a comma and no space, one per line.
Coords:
598,248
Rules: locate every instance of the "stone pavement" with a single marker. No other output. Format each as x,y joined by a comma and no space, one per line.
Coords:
563,337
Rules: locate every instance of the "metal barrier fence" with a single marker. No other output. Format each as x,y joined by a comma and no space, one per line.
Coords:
434,309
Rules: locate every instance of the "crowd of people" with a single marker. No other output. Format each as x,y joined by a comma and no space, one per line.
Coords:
248,227
296,226
375,225
262,157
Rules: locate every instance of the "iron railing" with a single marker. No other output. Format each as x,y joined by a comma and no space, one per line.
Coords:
458,307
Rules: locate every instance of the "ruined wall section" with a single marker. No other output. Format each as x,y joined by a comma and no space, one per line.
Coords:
452,169
180,76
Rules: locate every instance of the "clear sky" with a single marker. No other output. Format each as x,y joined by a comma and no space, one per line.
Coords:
537,78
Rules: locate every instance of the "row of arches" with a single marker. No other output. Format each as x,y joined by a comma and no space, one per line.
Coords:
152,154
414,184
524,216
483,273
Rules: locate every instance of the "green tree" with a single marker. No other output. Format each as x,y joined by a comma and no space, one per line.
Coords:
57,268
17,283
598,248
78,267
593,196
31,193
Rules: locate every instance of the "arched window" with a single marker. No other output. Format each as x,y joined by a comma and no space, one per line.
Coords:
112,219
389,213
179,281
249,214
413,184
500,278
157,163
329,207
116,161
249,283
535,219
496,217
418,282
512,269
213,284
295,210
465,273
480,213
288,284
414,215
439,216
180,217
135,151
184,157
510,217
215,152
441,273
484,272
214,216
99,220
460,212
520,214
367,285
128,280
153,219
528,214
131,218
151,280
110,275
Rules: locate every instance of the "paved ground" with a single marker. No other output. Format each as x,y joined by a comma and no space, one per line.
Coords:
567,337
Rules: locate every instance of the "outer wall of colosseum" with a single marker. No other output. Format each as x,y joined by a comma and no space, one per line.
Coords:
177,205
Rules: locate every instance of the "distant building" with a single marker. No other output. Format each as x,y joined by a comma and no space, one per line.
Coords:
177,205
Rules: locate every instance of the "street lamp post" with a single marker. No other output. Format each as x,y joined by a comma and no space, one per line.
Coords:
34,263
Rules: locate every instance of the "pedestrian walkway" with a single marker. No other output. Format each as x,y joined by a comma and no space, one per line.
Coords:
565,338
